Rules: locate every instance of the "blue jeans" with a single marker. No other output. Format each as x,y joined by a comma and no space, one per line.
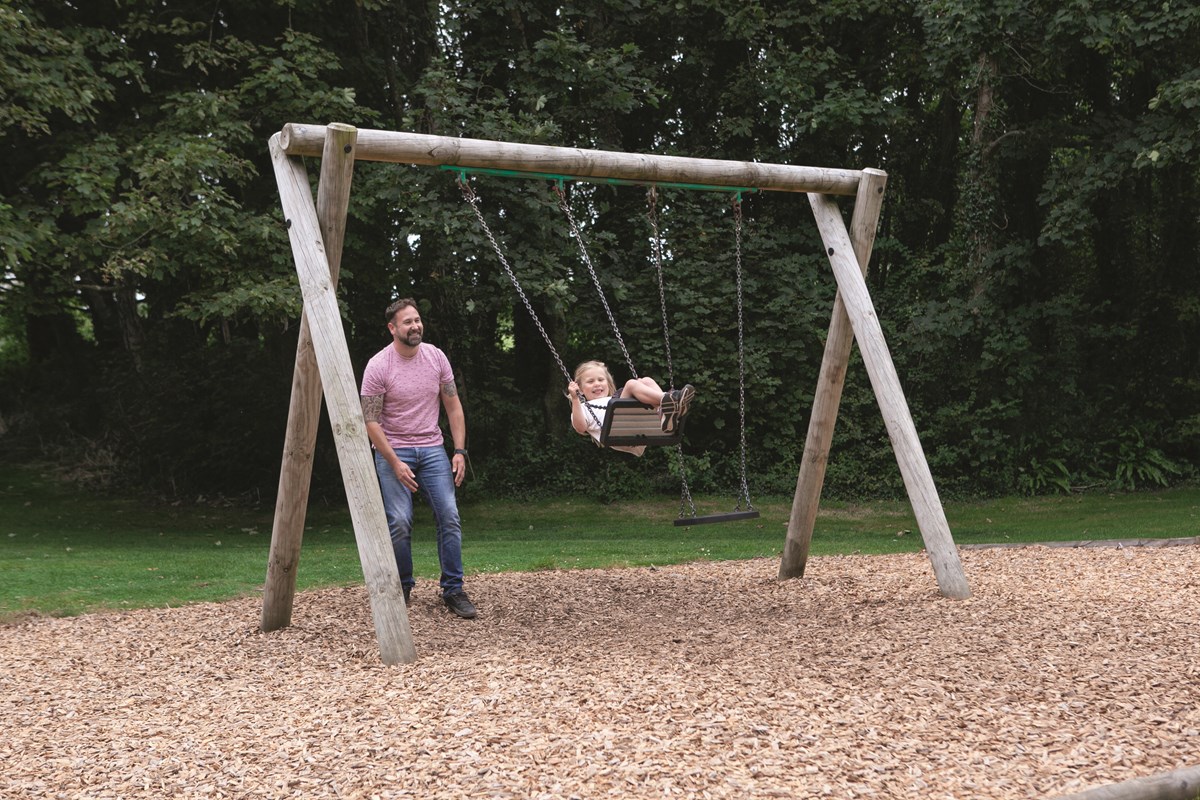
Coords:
436,481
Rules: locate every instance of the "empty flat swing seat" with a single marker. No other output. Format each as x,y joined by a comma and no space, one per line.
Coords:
630,423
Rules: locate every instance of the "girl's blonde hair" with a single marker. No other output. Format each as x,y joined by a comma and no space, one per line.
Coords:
587,366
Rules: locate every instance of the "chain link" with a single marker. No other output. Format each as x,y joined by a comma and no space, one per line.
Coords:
687,507
656,244
737,248
587,261
469,195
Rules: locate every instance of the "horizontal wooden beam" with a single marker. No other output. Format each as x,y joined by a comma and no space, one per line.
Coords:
418,148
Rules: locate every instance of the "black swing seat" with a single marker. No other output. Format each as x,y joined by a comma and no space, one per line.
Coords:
630,423
705,519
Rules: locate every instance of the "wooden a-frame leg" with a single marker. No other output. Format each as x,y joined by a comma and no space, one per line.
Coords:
914,469
304,411
828,396
345,411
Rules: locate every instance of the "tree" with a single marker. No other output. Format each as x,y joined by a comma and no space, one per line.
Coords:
1034,269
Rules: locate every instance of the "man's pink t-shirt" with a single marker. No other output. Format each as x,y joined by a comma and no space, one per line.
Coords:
412,393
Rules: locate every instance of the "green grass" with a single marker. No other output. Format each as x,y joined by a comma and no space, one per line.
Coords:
64,551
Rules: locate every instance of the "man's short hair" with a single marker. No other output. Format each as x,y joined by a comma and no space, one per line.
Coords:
402,303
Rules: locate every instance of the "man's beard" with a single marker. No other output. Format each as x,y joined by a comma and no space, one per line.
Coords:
413,339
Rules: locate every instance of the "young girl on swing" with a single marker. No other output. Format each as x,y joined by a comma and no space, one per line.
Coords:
595,383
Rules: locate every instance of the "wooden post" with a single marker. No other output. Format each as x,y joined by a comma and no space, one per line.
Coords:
1180,784
828,396
304,413
927,506
345,411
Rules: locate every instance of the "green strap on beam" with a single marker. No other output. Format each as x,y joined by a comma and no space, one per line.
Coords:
548,176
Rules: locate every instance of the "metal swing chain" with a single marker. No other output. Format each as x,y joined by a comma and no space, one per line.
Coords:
656,242
737,238
686,503
587,261
469,195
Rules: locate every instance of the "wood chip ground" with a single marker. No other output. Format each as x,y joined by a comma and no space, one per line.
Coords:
1069,668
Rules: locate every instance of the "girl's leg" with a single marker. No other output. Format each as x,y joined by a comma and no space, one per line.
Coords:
644,390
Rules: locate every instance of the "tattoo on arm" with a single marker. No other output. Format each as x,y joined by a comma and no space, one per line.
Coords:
449,389
372,408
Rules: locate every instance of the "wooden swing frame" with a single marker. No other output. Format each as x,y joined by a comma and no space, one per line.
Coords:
316,232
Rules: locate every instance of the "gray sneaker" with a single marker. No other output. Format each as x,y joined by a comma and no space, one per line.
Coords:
674,407
666,410
684,402
460,604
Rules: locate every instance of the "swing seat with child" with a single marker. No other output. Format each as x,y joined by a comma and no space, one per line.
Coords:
641,413
630,423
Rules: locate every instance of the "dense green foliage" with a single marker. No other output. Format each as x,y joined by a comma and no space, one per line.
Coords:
1035,269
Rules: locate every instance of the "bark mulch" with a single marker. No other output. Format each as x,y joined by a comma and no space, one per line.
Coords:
1068,669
